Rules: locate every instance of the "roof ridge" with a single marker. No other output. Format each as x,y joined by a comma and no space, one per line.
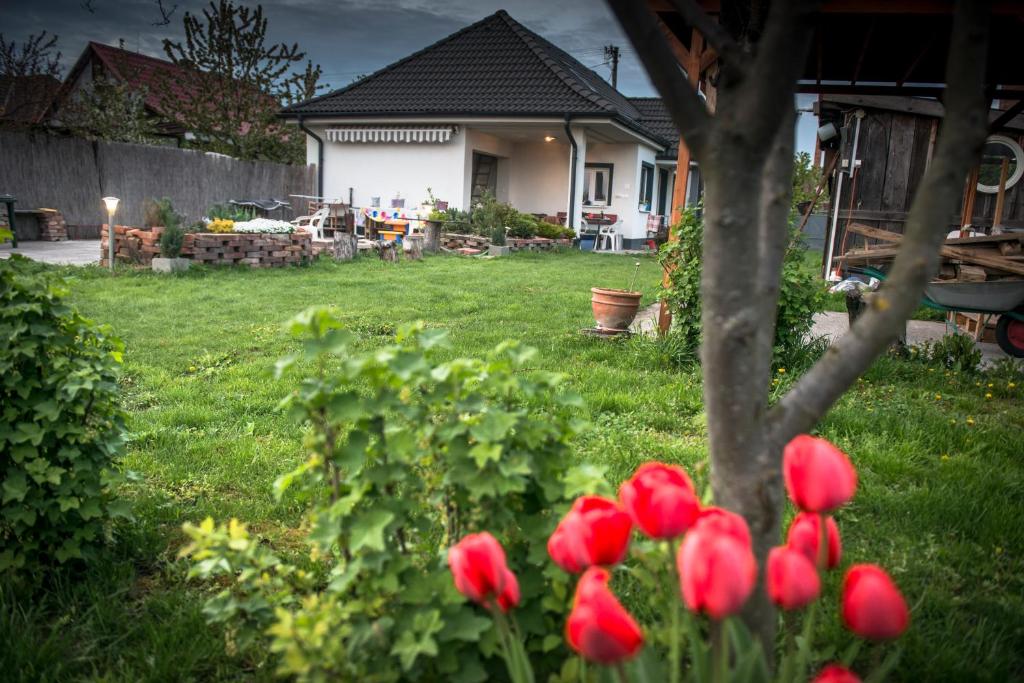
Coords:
393,65
530,39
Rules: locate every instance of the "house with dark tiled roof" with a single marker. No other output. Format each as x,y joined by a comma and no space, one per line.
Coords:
495,107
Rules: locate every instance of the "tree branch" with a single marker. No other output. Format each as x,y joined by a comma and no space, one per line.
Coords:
716,36
688,111
962,134
773,238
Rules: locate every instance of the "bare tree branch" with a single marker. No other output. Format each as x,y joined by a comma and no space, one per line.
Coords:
962,134
88,6
717,37
165,14
688,111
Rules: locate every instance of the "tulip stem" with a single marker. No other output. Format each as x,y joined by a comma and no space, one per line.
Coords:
620,670
786,668
804,650
721,648
519,669
675,644
822,541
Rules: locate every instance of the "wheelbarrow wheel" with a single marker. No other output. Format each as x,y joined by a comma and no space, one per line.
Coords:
1010,334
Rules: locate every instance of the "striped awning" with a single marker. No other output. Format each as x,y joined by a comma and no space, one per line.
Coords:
392,134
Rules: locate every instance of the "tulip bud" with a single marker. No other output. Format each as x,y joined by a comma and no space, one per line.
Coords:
836,673
791,578
725,522
717,569
805,536
873,606
661,500
595,531
477,563
599,627
819,477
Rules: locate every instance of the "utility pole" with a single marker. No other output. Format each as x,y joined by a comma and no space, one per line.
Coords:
611,54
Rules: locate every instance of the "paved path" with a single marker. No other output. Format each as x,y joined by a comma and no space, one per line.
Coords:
70,252
833,325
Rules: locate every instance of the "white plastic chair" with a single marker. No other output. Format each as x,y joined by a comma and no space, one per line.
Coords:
313,224
609,239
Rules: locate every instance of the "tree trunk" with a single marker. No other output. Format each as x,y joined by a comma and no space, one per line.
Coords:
413,246
432,233
388,252
344,248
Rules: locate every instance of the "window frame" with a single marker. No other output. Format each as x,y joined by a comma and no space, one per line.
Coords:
598,166
646,189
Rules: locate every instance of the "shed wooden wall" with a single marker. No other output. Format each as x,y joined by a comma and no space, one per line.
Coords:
72,175
894,149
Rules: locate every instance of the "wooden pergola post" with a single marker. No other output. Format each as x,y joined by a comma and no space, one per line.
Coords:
693,61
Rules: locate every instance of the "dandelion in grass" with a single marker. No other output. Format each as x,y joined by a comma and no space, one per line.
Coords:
988,395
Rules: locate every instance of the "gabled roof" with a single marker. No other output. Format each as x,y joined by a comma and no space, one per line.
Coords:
25,99
495,67
654,117
137,70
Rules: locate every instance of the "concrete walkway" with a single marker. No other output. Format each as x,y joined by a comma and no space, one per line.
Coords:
833,325
70,252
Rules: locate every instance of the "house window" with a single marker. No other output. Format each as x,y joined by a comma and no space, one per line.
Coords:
646,186
597,184
485,176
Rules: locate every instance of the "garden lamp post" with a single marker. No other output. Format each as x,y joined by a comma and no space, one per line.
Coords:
111,203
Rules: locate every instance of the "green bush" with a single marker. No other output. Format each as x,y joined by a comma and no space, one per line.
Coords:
955,352
800,297
405,456
60,424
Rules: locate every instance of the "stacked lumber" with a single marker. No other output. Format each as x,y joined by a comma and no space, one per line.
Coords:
963,259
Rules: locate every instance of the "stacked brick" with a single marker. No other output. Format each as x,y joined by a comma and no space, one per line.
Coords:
52,226
456,242
134,245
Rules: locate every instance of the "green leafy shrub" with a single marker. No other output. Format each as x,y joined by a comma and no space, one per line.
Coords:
405,456
800,297
228,212
955,352
60,424
552,231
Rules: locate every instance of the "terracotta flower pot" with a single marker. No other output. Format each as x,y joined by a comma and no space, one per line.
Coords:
614,309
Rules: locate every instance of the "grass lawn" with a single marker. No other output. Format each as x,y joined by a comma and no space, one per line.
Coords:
939,505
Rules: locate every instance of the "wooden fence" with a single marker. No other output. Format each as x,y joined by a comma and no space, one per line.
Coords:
72,175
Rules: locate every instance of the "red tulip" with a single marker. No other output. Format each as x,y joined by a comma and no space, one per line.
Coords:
717,569
599,627
561,550
509,596
791,578
594,532
477,563
661,500
836,673
805,536
725,522
873,606
819,477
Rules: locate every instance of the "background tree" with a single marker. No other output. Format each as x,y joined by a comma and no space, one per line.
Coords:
110,110
748,144
235,83
37,56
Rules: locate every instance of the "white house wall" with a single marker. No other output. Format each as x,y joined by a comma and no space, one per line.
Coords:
384,169
539,177
484,143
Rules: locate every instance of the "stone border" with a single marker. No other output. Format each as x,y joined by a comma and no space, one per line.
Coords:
257,250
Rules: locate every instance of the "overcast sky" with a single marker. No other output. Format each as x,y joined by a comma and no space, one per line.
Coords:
346,37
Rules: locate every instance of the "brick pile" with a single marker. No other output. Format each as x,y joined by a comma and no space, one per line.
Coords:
455,241
459,242
134,245
536,243
52,226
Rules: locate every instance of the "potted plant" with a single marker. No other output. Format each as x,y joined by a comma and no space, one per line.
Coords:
615,309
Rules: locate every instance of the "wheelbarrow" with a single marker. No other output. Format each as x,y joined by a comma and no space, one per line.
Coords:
1002,297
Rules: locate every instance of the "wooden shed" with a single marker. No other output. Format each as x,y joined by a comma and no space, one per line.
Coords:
890,141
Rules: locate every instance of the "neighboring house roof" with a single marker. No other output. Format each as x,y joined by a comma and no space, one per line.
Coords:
495,67
137,70
654,117
25,99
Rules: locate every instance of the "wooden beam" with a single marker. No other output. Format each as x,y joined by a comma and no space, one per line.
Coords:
953,252
682,55
997,216
863,51
970,192
692,69
1006,117
917,59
